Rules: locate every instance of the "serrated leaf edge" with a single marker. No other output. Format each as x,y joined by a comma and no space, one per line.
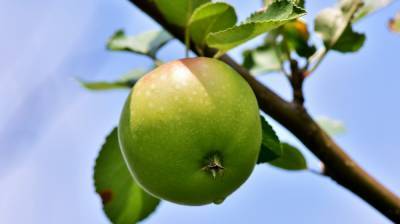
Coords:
244,23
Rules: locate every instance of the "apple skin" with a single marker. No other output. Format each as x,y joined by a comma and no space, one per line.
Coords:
179,120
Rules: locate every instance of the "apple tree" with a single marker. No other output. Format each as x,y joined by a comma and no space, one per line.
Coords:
191,130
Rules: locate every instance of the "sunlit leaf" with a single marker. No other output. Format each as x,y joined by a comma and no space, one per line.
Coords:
370,6
300,3
125,82
270,146
291,159
297,2
123,200
336,32
102,85
277,14
328,22
147,43
210,17
178,12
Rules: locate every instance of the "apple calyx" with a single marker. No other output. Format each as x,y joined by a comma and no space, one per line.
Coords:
214,166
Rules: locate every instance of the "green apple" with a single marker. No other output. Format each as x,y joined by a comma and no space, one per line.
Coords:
190,131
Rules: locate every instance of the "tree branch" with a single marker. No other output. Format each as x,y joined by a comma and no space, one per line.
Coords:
338,165
296,81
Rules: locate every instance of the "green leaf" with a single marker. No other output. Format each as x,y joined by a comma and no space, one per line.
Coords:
296,35
268,2
106,85
327,24
336,32
269,57
394,24
349,41
125,82
300,3
370,6
178,12
331,126
291,159
210,17
147,43
270,146
261,60
123,200
277,14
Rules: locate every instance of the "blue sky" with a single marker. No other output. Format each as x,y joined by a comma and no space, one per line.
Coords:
51,128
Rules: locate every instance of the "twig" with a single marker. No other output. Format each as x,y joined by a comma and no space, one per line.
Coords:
320,58
356,5
296,80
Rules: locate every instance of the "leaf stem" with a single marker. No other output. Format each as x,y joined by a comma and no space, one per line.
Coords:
356,5
320,57
279,54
